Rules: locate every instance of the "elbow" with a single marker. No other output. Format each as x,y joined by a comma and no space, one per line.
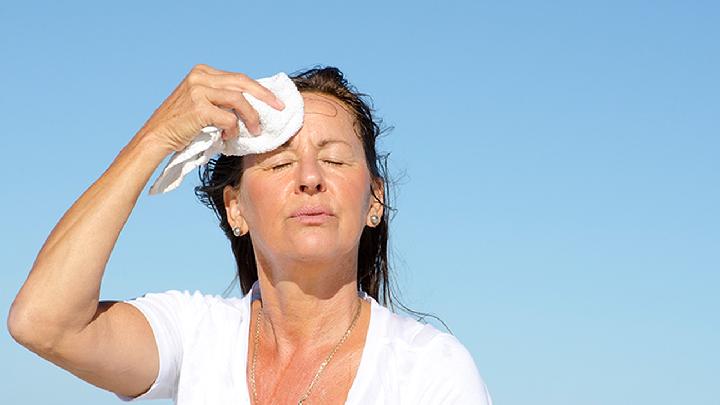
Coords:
19,326
14,324
27,331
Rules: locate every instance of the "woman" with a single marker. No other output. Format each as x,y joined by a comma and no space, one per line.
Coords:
308,227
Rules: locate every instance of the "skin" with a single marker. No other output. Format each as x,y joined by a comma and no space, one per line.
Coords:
307,271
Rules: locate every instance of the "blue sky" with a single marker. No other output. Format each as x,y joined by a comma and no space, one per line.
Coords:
557,167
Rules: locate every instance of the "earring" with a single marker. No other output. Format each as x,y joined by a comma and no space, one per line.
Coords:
236,231
374,219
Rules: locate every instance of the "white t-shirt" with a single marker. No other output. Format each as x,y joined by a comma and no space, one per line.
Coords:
202,343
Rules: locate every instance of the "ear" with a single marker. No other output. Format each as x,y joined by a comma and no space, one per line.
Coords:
377,199
233,209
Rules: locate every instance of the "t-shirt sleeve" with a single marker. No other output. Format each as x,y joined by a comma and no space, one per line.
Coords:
451,376
171,315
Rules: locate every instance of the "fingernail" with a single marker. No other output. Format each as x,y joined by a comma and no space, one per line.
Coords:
280,103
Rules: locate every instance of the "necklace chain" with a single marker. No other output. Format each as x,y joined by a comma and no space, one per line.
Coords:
322,366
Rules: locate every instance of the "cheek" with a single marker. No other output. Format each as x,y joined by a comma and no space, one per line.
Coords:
259,200
353,194
263,200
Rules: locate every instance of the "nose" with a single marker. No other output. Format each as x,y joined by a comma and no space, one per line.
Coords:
310,177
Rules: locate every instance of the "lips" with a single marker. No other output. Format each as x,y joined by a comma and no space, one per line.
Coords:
311,211
312,215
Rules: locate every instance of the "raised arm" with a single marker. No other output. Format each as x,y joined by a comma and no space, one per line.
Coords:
57,312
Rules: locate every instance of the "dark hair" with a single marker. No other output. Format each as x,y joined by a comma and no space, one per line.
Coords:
373,274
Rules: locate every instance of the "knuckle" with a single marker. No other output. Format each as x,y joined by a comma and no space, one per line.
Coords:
194,76
229,120
204,114
237,98
196,93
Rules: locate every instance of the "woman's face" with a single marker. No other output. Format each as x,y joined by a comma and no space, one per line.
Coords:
310,199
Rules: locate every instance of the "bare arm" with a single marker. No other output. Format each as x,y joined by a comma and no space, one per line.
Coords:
57,312
63,287
53,311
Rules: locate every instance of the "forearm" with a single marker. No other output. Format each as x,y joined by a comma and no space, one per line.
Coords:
61,293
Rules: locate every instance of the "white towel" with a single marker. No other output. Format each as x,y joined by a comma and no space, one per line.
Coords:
277,126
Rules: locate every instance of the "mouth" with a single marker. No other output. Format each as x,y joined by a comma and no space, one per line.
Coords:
312,215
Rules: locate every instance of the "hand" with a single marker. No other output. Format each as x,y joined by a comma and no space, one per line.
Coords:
207,96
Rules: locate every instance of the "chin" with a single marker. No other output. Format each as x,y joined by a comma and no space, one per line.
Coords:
316,247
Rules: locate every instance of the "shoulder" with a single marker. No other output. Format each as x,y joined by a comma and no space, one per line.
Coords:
194,298
439,367
184,306
426,342
450,375
412,335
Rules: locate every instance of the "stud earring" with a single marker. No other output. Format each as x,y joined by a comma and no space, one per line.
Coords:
236,231
374,219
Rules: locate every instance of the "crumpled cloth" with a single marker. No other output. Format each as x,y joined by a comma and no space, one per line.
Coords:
277,126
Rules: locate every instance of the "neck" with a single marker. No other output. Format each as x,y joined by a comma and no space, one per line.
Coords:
306,305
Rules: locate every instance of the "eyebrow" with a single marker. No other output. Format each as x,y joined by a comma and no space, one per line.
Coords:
323,142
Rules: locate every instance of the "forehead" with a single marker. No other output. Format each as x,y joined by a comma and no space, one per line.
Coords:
326,121
324,113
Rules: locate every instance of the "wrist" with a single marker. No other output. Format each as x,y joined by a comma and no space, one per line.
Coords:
149,143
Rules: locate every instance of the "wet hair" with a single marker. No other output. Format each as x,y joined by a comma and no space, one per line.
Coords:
373,272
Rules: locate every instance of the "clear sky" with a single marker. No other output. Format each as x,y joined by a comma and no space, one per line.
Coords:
557,168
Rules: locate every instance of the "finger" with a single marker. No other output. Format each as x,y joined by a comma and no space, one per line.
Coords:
208,69
225,120
241,82
235,100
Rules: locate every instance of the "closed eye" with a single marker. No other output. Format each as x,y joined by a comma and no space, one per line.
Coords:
280,166
333,162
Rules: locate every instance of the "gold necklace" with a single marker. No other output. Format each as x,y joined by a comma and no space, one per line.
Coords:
322,366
